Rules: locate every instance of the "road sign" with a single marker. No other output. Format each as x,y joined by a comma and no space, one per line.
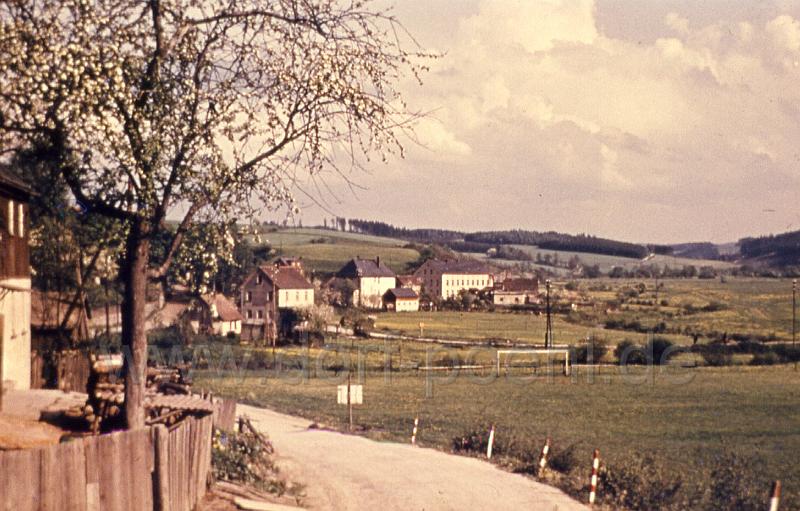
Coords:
356,395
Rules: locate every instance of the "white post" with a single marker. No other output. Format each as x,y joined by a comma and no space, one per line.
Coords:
776,496
414,433
543,458
491,442
593,484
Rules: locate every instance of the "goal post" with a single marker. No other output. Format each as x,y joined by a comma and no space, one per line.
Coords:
550,353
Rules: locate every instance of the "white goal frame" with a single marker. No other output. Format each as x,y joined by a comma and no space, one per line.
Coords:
564,352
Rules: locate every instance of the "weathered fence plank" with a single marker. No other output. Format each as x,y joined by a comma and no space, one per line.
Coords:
151,468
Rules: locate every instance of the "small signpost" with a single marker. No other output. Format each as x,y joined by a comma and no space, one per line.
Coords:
350,395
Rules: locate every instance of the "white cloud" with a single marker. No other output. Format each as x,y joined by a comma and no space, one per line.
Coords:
535,105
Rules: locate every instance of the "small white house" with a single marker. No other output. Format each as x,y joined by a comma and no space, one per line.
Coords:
401,299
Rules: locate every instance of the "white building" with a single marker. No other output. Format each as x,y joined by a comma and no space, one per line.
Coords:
372,278
445,279
15,283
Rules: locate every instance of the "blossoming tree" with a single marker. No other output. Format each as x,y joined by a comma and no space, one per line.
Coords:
197,110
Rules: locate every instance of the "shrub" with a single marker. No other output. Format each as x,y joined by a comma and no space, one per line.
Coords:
565,460
659,350
640,484
765,359
733,486
591,352
246,459
717,356
477,441
628,352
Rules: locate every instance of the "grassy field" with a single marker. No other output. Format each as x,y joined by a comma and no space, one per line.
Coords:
521,327
757,307
685,418
327,251
606,262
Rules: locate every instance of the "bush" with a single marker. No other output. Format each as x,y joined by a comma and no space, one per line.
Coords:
717,356
733,486
640,484
243,458
477,441
628,352
659,350
591,352
565,460
769,358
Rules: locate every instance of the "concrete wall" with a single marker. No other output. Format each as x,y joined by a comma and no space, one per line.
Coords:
15,308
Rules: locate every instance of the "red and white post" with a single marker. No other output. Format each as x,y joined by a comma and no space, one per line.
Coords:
543,457
593,483
414,432
776,496
491,443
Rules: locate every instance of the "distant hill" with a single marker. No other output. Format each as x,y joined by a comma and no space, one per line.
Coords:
773,250
701,250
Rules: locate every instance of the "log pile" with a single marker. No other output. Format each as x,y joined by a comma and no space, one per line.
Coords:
106,394
170,380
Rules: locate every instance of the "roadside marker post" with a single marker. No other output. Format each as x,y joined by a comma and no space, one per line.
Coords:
350,395
414,432
593,483
543,457
776,496
491,443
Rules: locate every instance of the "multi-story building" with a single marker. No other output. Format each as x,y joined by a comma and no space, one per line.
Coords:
15,283
445,279
267,291
371,278
515,291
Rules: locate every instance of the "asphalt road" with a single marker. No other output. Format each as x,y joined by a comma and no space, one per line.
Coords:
348,472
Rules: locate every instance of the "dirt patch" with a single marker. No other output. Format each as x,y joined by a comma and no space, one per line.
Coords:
24,433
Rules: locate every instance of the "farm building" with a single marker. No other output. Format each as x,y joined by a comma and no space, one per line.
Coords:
267,290
401,299
371,279
410,282
15,283
517,291
445,279
215,314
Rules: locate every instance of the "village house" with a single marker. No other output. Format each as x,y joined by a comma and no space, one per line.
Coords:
515,291
410,282
215,314
445,279
401,299
268,290
15,283
371,279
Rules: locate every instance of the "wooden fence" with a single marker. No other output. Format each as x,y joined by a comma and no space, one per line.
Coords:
151,468
66,370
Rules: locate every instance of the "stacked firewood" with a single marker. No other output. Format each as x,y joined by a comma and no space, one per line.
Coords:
106,394
170,380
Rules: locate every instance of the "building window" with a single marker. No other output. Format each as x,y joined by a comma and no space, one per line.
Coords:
260,314
20,220
248,297
11,217
258,279
249,314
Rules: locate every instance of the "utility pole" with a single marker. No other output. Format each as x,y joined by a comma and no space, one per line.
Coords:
548,334
794,321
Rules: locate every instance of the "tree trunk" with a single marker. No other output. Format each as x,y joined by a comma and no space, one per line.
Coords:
134,332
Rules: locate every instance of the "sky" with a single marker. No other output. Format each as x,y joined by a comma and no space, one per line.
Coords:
646,121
